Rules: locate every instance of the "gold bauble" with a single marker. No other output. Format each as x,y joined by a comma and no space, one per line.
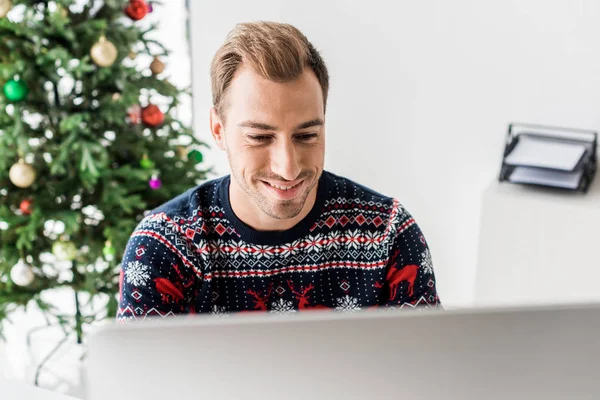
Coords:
132,55
157,66
63,11
104,53
182,152
64,250
22,174
5,6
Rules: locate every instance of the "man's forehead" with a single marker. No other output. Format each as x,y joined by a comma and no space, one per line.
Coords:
283,105
255,89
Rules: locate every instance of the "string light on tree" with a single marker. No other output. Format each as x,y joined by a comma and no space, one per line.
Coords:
104,53
15,90
22,174
5,7
22,273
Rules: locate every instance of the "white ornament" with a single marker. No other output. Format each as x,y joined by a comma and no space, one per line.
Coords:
21,273
22,174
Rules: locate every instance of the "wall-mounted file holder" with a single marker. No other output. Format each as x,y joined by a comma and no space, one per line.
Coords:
549,156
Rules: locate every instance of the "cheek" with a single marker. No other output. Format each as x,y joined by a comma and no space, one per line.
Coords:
251,160
313,156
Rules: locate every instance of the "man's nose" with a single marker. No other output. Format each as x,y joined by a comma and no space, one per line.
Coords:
285,161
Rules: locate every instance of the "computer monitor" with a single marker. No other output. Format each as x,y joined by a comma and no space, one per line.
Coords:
535,353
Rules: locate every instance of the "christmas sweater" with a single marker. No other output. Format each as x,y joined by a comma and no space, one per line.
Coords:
355,249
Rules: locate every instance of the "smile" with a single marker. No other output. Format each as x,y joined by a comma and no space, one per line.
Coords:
284,187
284,192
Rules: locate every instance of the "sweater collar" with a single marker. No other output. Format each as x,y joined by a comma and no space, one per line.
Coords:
301,229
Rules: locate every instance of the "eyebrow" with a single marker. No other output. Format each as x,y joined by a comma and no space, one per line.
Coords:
266,127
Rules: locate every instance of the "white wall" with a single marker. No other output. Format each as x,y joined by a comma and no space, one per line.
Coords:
422,92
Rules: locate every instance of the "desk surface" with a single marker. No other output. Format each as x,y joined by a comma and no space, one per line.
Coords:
21,391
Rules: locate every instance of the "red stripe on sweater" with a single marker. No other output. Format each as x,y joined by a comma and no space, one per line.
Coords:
299,268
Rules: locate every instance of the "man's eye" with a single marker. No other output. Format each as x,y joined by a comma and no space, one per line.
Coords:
259,138
306,137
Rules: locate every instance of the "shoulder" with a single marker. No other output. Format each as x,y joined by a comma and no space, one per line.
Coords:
344,190
170,221
188,204
167,231
348,194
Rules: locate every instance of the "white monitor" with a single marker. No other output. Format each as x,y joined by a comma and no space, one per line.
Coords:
535,353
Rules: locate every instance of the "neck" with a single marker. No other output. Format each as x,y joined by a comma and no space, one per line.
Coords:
248,211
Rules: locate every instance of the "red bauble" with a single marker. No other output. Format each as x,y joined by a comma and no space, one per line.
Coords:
152,116
25,207
137,9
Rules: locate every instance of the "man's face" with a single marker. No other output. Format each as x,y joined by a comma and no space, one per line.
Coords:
274,136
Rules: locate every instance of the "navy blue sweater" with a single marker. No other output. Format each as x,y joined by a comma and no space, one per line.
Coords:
355,249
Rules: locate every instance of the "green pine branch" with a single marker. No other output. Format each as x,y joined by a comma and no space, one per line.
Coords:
73,128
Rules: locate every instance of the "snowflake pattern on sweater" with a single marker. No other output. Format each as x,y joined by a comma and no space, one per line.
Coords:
356,249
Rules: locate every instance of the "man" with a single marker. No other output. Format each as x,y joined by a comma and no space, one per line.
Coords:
281,234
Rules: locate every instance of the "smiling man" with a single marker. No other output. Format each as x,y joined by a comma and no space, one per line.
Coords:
280,234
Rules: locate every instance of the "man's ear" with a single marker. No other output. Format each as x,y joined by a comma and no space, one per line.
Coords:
217,129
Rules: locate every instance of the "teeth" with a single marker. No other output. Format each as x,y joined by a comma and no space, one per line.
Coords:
283,187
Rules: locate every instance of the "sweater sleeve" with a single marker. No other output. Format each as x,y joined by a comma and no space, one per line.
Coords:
410,279
158,273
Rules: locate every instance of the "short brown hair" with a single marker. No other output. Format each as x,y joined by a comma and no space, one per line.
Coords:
276,51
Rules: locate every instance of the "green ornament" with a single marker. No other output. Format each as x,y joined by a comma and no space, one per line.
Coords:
64,250
196,156
147,163
15,91
109,251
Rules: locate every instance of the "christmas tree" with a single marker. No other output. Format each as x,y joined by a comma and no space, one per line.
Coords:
89,142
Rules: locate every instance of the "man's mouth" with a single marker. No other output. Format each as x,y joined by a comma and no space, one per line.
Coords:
284,187
284,191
